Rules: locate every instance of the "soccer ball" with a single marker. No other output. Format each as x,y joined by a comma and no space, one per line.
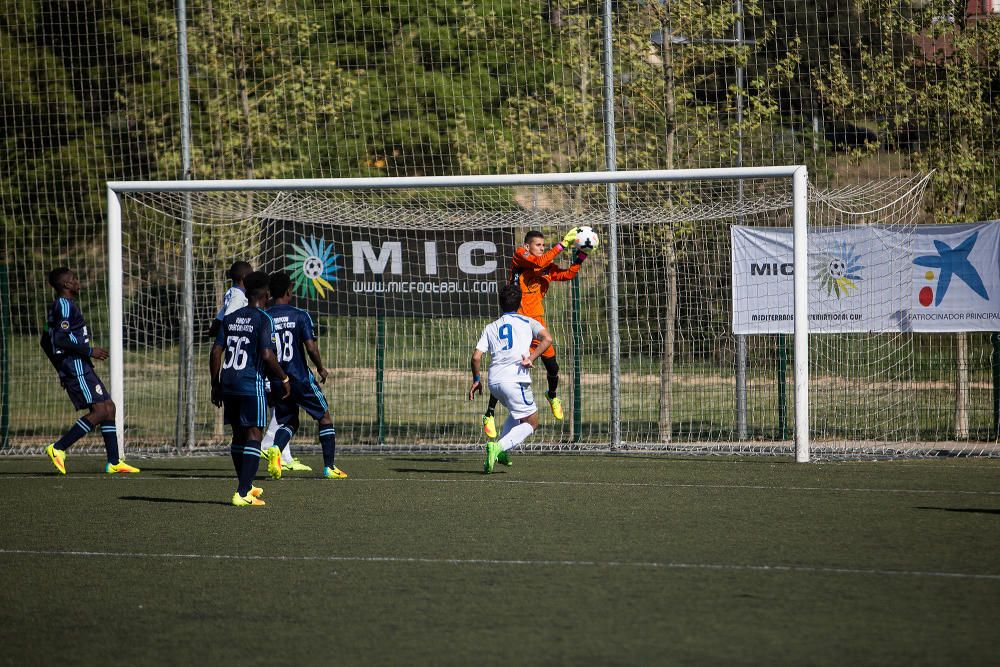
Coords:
586,239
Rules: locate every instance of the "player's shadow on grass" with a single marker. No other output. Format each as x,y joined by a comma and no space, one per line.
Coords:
189,473
967,510
426,459
439,471
186,501
47,473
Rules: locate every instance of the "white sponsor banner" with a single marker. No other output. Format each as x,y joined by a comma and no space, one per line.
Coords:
864,278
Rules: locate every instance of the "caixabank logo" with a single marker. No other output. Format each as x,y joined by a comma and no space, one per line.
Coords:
947,264
838,269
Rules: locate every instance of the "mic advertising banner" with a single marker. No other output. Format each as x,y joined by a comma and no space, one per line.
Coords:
868,278
355,271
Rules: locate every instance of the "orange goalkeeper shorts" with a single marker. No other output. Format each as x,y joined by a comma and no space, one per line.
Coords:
549,353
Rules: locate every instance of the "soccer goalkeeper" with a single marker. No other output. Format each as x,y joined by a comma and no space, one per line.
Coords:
533,268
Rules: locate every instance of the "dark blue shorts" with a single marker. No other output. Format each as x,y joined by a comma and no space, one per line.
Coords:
85,390
305,395
245,411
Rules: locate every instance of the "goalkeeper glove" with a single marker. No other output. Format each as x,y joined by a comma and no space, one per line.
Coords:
570,237
580,256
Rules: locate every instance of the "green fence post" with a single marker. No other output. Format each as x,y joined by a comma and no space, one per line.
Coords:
577,357
782,388
4,359
380,370
995,338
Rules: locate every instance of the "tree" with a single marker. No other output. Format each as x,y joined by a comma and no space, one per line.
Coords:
930,83
65,132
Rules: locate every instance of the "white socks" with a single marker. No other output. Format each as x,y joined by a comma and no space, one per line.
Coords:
508,424
515,436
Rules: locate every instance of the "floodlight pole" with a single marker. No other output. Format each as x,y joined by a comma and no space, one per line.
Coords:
611,164
184,434
741,339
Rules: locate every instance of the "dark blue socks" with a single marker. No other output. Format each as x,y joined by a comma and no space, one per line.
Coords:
81,428
110,435
249,465
282,436
328,441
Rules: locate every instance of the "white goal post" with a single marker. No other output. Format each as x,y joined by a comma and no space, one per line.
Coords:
797,174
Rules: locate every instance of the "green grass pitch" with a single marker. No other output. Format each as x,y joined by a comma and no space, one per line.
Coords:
558,559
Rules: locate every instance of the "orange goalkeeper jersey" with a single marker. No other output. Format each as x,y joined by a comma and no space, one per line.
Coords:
534,274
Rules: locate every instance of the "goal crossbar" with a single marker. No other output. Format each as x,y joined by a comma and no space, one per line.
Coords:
797,173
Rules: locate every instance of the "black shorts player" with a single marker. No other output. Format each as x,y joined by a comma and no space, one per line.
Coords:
66,342
295,338
242,358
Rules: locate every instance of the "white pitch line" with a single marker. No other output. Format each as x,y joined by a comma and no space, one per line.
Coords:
668,485
515,562
496,480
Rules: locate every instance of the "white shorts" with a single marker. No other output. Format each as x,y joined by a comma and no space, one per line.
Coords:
517,397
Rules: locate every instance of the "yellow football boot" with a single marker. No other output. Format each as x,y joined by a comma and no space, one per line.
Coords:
247,501
556,406
490,427
120,467
273,455
57,456
334,473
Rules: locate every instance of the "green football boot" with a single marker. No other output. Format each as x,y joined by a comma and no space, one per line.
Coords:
492,451
504,458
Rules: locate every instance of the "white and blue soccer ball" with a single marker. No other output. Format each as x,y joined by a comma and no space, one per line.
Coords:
587,239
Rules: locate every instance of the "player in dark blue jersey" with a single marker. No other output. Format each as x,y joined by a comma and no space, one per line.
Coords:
242,356
296,338
66,342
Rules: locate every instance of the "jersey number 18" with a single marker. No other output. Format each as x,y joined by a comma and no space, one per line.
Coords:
283,343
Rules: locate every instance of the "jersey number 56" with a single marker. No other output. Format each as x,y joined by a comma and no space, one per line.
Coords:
236,356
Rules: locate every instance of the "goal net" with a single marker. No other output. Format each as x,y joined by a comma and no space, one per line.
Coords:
676,335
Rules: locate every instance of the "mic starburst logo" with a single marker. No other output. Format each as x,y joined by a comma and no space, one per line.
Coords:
313,267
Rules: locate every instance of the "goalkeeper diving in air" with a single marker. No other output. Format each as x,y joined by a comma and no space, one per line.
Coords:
533,269
513,342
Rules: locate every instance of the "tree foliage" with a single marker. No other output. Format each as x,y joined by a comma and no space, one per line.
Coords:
931,85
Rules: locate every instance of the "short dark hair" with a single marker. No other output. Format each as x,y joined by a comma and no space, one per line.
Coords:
256,284
56,276
280,283
239,271
510,297
533,234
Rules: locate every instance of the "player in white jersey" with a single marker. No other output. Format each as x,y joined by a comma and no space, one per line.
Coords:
236,296
508,342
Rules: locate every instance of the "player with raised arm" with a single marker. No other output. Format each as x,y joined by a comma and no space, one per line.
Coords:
243,354
533,269
513,342
66,342
295,337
